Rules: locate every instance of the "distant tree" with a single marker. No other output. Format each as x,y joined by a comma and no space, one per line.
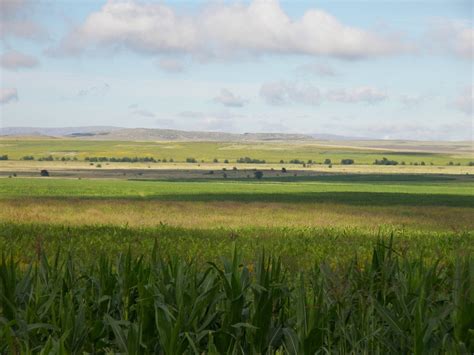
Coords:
283,170
422,163
234,168
258,175
44,173
226,161
310,161
216,160
327,161
171,160
347,161
471,163
330,166
450,163
385,161
28,157
248,160
164,160
282,161
191,160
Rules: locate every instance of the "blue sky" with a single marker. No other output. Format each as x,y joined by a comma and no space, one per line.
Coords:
377,69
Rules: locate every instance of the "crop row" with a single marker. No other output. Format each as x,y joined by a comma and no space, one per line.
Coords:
165,305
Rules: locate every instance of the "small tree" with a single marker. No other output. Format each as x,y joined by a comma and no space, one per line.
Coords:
347,161
283,170
258,175
216,160
44,173
327,161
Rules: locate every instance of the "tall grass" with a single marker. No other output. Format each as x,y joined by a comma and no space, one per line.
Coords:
166,305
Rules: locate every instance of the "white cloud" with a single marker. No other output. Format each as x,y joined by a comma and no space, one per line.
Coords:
8,95
227,98
455,37
14,60
171,65
464,102
225,30
282,92
361,94
15,20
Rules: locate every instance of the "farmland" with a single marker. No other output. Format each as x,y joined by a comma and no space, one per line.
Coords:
167,257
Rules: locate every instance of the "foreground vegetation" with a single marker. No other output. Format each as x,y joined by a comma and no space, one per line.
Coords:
163,304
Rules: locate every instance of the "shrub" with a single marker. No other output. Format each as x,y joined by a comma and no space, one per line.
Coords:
28,157
191,160
385,161
248,160
347,161
226,161
327,161
283,170
215,160
296,161
44,173
258,175
4,157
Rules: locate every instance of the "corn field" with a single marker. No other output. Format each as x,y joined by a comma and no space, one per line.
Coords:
158,304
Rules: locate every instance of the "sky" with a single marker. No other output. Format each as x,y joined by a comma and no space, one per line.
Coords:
372,68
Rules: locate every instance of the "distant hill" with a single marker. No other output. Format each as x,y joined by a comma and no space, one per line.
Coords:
145,134
55,131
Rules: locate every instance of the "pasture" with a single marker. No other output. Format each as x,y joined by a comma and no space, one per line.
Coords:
272,152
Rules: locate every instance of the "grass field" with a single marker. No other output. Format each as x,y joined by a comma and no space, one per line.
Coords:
272,152
168,259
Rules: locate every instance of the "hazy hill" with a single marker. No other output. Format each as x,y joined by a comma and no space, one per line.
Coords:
137,134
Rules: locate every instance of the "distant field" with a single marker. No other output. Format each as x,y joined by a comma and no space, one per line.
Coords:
371,201
272,152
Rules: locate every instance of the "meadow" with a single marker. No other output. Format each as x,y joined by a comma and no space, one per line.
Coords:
272,152
126,259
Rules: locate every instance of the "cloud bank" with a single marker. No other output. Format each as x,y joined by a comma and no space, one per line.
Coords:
225,31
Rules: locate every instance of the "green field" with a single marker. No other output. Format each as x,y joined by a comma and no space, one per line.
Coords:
272,152
139,263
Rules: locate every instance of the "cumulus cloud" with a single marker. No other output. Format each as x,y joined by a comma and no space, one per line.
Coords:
283,92
15,20
227,98
225,30
361,94
454,37
171,65
8,95
14,60
464,102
